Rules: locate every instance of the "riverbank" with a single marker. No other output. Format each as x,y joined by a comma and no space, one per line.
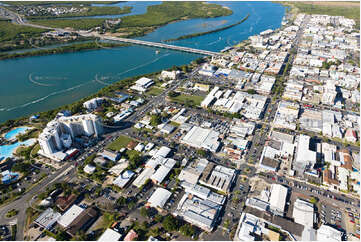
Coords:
156,16
73,76
63,49
188,36
13,36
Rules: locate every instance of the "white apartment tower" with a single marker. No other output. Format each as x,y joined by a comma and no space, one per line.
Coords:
60,132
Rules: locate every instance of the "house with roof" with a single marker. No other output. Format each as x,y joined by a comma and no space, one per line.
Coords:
64,202
131,235
82,222
351,135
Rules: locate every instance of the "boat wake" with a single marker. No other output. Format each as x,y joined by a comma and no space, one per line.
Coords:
100,81
142,65
47,96
77,86
215,42
38,83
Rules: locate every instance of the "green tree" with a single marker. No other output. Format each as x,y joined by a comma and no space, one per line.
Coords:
131,205
158,218
62,236
173,94
134,160
202,153
121,201
251,91
185,68
313,200
170,223
144,212
154,232
155,119
187,230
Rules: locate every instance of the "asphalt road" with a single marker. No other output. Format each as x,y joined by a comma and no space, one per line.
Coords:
294,185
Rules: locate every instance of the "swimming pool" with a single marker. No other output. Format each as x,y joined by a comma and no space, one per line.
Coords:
6,151
14,132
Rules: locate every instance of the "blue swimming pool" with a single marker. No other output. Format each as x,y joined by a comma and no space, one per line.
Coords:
6,151
14,132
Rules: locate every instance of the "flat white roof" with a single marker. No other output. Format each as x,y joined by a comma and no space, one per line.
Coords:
163,151
303,213
329,234
48,218
89,169
141,179
159,197
202,138
278,197
143,81
110,235
67,218
123,178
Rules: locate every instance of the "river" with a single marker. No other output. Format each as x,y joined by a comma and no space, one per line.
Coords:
40,83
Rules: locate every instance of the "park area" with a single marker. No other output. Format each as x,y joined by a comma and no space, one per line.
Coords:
188,100
121,142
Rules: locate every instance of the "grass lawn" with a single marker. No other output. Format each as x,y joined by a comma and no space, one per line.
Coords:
35,150
154,91
188,99
120,142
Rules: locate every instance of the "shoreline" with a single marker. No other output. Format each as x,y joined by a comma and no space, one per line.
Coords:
189,36
116,85
62,50
142,31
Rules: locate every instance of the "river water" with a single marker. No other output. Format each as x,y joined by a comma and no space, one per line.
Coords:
34,84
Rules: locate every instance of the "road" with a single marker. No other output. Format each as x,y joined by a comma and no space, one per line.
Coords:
323,194
20,204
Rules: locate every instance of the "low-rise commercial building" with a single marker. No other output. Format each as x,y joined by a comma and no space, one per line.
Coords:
202,138
159,198
110,235
303,213
123,179
47,218
218,177
199,212
278,199
69,216
142,84
328,233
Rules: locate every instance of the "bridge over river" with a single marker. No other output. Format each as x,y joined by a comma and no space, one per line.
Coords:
153,44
